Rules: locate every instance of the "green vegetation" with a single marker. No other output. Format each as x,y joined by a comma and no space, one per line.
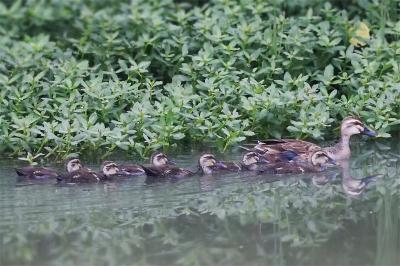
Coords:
136,75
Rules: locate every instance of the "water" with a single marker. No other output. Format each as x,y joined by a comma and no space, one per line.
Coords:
234,219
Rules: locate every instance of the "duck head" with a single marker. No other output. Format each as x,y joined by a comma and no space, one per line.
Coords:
321,158
159,159
109,168
208,163
251,159
352,126
73,164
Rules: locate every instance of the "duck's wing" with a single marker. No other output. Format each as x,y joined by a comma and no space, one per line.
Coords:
81,176
36,172
177,172
232,166
131,169
283,156
156,171
298,146
24,171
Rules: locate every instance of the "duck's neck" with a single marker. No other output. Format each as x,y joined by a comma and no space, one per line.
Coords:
343,147
345,140
345,167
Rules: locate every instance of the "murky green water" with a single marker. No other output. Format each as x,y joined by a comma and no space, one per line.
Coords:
222,220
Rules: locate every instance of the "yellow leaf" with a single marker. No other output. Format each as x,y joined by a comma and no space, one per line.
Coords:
361,35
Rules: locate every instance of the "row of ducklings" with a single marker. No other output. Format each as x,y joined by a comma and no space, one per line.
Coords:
271,156
161,167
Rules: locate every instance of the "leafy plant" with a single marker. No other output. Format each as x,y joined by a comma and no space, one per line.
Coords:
138,75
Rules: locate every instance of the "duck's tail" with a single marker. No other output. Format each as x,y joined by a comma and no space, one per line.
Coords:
20,172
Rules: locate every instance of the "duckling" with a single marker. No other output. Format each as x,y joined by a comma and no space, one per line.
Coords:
109,170
160,159
350,126
33,172
157,159
76,173
252,161
166,171
208,164
162,167
80,176
73,164
318,163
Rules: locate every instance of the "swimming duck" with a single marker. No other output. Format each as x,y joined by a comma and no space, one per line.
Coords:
33,172
130,170
80,175
208,164
319,160
252,161
109,170
350,126
166,171
161,167
157,159
83,175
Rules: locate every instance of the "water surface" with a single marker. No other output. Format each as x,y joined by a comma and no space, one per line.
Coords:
233,219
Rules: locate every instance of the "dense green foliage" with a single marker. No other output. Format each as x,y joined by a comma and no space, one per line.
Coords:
81,75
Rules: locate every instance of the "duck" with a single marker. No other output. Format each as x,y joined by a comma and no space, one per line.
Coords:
162,167
83,175
157,159
34,172
319,161
80,175
208,164
166,171
252,161
341,151
109,170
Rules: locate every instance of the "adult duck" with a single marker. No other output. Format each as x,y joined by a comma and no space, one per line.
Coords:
341,151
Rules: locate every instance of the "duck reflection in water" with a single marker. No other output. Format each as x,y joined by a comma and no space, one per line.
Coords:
352,186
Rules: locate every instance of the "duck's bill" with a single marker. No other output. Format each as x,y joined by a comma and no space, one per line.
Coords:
263,160
171,162
221,165
332,161
368,132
